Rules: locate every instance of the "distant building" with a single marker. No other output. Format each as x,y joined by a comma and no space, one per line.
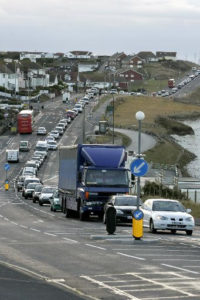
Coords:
33,56
79,55
115,61
131,61
165,55
147,56
128,75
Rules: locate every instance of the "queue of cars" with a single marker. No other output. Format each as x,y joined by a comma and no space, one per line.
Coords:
189,78
159,214
28,183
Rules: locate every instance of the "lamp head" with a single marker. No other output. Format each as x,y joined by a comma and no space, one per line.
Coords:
140,115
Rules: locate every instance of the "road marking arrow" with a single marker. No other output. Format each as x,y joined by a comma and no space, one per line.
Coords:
138,169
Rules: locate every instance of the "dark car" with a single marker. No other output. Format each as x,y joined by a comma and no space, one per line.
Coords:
20,183
124,205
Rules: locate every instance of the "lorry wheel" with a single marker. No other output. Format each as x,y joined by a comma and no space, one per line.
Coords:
104,219
110,220
68,213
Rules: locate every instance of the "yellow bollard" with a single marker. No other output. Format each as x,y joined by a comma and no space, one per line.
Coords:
6,186
137,224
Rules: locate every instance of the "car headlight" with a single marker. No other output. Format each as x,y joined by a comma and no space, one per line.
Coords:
162,218
119,212
189,219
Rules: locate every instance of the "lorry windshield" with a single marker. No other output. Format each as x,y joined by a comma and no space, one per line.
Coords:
103,177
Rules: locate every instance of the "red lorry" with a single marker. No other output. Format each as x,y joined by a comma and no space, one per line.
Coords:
171,83
25,121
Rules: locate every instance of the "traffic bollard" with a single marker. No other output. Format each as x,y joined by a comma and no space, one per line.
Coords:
137,224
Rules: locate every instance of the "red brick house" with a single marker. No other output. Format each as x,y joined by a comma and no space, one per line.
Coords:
131,62
129,75
116,59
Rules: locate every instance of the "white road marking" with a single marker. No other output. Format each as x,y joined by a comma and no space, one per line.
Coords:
35,229
14,223
70,240
182,269
164,285
175,259
23,226
131,256
90,245
51,234
112,288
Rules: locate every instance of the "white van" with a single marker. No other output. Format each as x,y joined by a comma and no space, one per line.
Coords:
12,155
24,146
42,147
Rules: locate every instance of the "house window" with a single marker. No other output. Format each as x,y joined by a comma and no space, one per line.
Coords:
132,75
121,75
126,75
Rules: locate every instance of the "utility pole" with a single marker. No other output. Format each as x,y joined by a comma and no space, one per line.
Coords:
83,127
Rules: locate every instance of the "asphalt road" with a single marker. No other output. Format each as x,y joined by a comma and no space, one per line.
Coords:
80,257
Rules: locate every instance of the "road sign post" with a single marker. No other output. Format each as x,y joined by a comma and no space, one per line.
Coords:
6,168
138,167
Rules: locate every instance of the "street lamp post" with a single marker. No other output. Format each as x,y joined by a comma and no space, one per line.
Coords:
139,116
113,133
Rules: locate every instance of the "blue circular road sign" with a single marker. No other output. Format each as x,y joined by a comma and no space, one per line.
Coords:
138,214
139,167
6,167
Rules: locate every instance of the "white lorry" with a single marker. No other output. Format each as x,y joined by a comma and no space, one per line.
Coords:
12,155
66,97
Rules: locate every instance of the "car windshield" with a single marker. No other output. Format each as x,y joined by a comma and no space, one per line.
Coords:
38,188
103,177
31,185
168,206
41,148
126,201
48,190
23,143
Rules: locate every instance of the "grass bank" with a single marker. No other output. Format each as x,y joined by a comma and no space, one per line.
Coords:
162,118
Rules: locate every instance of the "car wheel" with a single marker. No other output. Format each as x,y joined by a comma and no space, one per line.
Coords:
189,232
173,231
26,197
152,229
34,201
40,203
51,208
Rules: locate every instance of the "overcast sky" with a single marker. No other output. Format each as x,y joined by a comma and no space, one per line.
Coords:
103,26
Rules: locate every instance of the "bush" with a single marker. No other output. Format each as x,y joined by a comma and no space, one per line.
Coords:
155,189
